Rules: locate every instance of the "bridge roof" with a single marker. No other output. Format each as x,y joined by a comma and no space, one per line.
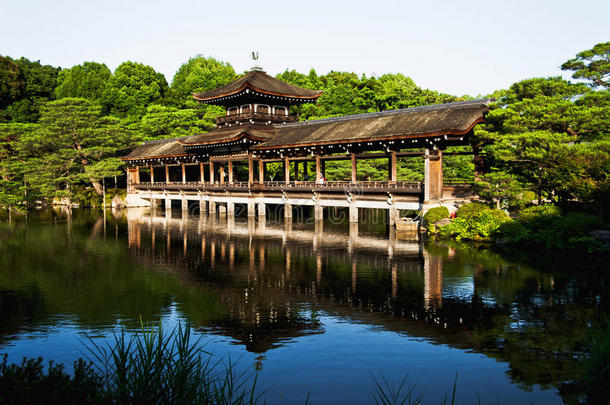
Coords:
452,119
158,149
255,132
442,119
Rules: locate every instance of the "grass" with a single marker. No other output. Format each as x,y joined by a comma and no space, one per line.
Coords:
597,378
152,366
404,393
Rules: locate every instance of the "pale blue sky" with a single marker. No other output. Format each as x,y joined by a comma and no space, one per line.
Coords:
460,47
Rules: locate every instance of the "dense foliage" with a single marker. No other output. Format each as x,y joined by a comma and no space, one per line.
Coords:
436,214
546,139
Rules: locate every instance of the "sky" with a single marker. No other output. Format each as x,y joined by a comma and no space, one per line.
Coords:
459,47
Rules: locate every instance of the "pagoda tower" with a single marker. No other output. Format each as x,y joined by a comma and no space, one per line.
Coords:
255,103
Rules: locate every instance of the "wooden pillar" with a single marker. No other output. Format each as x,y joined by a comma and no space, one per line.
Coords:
392,166
137,174
131,180
183,173
201,173
318,169
305,174
261,171
433,175
230,172
211,172
250,169
221,173
152,174
354,168
166,174
286,170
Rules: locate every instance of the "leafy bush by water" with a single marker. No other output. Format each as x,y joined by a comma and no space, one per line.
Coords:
435,214
475,222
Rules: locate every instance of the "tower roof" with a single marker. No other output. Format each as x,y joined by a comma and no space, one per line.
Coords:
258,83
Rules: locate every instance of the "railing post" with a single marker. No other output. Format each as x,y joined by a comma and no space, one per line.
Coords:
261,171
392,166
250,169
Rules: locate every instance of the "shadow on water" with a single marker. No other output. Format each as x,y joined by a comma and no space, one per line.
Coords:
267,285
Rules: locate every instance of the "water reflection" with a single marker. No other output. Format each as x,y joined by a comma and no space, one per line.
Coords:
267,285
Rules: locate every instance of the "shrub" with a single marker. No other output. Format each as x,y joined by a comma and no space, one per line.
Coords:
30,383
471,209
478,226
435,214
536,211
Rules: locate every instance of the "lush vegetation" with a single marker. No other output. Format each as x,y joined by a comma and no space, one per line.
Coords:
61,130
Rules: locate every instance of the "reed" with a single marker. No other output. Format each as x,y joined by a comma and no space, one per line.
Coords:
154,366
404,393
598,364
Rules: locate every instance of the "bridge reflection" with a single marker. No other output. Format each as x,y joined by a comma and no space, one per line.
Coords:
275,278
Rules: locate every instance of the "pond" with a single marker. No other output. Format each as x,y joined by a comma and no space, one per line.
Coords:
312,308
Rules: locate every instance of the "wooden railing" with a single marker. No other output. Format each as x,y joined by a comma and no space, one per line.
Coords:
370,186
256,116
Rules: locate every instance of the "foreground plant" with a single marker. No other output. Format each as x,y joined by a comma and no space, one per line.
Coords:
152,366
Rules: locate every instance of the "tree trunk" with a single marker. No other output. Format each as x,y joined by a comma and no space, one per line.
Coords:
97,186
479,162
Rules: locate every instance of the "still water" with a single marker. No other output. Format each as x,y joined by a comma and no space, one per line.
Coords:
312,308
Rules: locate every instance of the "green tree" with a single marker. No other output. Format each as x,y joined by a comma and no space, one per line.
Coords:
11,81
198,74
87,81
168,122
74,145
132,88
496,187
36,86
592,65
12,191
